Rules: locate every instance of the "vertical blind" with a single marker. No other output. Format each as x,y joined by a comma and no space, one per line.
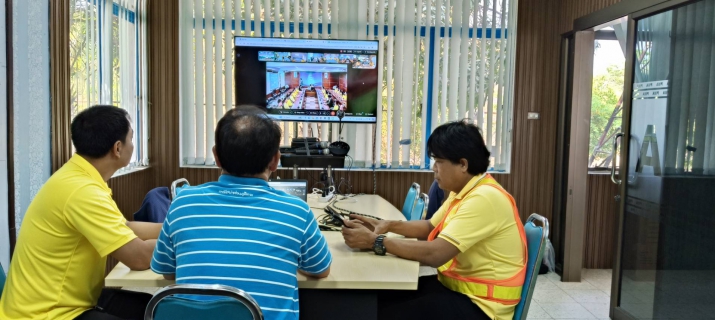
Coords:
108,62
439,61
690,35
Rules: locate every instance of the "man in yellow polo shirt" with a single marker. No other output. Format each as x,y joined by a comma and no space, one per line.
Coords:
72,225
475,240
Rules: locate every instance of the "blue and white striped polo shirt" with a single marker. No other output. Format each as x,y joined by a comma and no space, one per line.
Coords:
242,233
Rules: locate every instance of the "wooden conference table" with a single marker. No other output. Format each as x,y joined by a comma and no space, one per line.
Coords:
351,269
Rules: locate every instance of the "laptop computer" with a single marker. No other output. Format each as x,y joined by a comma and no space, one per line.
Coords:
297,187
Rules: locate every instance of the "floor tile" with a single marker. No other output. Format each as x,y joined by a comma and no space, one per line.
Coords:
597,309
553,276
575,285
603,287
551,296
545,284
589,296
536,312
568,310
596,274
599,282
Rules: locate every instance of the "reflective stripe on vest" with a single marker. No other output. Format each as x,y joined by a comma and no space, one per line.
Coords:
506,291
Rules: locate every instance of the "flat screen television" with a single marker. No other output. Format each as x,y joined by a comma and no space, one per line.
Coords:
308,80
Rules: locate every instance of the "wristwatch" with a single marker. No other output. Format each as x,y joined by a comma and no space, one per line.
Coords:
378,247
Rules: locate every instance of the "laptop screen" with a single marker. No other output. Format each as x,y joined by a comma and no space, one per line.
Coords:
298,188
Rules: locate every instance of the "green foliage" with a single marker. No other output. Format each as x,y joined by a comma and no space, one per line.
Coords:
605,115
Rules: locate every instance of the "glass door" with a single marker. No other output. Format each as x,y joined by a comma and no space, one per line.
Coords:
666,265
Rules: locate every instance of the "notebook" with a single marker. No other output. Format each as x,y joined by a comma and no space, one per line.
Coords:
298,188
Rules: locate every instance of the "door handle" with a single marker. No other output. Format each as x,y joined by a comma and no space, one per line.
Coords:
613,159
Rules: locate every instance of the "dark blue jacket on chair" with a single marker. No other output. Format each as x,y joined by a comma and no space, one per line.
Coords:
155,206
436,197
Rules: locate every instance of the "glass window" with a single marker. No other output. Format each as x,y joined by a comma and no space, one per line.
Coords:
105,62
606,99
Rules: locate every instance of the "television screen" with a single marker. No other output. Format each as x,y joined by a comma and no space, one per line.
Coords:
308,80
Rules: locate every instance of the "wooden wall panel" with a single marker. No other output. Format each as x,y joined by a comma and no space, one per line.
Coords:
163,65
129,190
61,107
601,222
535,89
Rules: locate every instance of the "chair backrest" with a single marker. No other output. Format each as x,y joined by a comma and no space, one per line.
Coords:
536,238
410,200
239,305
419,211
2,280
175,186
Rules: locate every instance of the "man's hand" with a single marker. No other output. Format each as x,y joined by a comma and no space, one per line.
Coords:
357,235
374,225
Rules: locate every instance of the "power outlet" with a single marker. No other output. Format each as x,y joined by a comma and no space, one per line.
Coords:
533,116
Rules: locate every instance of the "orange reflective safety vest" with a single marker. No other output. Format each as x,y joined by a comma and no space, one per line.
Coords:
506,291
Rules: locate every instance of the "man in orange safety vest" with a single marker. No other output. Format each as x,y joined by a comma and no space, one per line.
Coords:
475,240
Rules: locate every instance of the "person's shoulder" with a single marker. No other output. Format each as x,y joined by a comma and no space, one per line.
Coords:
72,177
86,189
284,197
186,192
192,195
489,191
491,198
292,202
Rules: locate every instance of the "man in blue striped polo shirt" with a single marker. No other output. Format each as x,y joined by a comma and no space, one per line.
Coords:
238,231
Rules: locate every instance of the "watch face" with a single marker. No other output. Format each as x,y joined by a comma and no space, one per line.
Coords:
380,250
378,247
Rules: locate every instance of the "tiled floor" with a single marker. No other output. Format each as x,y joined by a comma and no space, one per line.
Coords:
588,299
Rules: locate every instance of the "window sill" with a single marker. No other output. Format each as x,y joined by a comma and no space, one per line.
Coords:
129,171
213,167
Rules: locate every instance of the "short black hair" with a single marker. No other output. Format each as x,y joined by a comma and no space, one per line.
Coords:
96,129
246,140
460,139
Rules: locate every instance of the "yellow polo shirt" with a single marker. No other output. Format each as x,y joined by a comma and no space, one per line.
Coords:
57,270
484,230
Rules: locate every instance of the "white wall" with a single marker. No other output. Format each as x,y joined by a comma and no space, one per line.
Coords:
4,232
31,96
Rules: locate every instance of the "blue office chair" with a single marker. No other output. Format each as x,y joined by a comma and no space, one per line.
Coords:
2,280
536,238
419,211
239,305
410,200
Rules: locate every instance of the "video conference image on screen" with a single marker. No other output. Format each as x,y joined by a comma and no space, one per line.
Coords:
306,86
308,80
